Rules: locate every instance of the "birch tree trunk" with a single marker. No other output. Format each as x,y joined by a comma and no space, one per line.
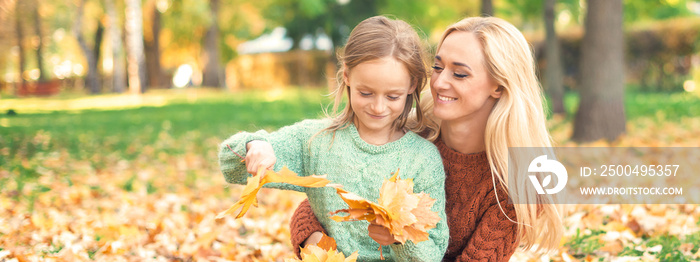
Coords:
136,62
115,36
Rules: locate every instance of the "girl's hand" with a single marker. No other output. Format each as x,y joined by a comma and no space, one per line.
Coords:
381,234
313,239
260,154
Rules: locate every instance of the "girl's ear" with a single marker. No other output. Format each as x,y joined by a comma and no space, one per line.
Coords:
412,90
346,79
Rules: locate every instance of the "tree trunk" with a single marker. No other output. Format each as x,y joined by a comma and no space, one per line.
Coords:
96,50
212,74
152,46
486,7
91,79
20,36
601,111
39,48
554,71
115,36
136,62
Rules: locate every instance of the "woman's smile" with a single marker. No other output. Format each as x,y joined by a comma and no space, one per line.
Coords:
445,99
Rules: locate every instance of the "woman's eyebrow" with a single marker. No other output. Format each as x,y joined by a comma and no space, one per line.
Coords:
454,63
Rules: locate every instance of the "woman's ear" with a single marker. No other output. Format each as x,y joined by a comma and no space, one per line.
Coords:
497,92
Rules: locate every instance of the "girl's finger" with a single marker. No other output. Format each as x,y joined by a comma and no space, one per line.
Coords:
252,166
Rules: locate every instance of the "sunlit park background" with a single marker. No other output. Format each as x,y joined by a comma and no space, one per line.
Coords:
112,110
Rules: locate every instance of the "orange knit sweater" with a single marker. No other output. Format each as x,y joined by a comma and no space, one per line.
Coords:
479,231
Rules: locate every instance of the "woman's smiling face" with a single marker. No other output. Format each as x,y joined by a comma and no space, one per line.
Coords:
460,83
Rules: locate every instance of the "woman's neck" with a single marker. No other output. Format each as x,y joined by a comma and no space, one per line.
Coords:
464,136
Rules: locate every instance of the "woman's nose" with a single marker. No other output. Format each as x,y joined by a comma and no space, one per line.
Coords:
439,82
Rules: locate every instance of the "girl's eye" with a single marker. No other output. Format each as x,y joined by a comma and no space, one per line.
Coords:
393,98
460,75
365,94
437,68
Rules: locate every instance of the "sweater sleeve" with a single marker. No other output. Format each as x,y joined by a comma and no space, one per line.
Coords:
431,180
495,237
288,143
302,225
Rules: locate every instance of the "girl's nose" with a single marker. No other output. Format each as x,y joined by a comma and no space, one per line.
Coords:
378,106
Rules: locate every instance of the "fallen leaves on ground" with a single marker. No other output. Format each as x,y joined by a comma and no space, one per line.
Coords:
255,183
160,205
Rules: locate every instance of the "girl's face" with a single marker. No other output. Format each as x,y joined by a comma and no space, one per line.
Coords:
461,86
378,93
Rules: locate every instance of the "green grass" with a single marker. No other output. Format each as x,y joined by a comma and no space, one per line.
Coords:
87,132
660,106
97,134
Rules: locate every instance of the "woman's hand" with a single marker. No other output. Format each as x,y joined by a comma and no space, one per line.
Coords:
260,154
381,234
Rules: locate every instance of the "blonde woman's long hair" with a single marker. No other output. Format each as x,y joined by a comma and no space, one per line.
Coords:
375,38
516,120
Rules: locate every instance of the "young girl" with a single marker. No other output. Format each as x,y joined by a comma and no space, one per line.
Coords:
383,72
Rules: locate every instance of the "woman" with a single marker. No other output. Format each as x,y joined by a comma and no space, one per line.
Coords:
485,99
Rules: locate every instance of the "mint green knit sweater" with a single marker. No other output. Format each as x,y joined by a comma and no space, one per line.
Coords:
358,166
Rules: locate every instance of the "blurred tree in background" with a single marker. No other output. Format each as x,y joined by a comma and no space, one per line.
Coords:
94,46
601,111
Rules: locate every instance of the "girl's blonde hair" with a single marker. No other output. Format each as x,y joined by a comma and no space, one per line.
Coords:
516,120
375,38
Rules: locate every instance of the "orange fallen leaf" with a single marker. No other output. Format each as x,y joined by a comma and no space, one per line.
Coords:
407,215
612,247
327,243
255,183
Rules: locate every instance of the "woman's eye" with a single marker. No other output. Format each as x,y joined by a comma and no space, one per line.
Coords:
437,68
365,94
393,98
460,75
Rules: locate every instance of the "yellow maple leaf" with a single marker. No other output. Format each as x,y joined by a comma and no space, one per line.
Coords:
255,183
312,253
407,215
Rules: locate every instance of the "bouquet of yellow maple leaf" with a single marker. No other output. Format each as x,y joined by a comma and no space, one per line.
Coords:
407,215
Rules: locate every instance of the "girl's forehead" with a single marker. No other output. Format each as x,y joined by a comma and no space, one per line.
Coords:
387,74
